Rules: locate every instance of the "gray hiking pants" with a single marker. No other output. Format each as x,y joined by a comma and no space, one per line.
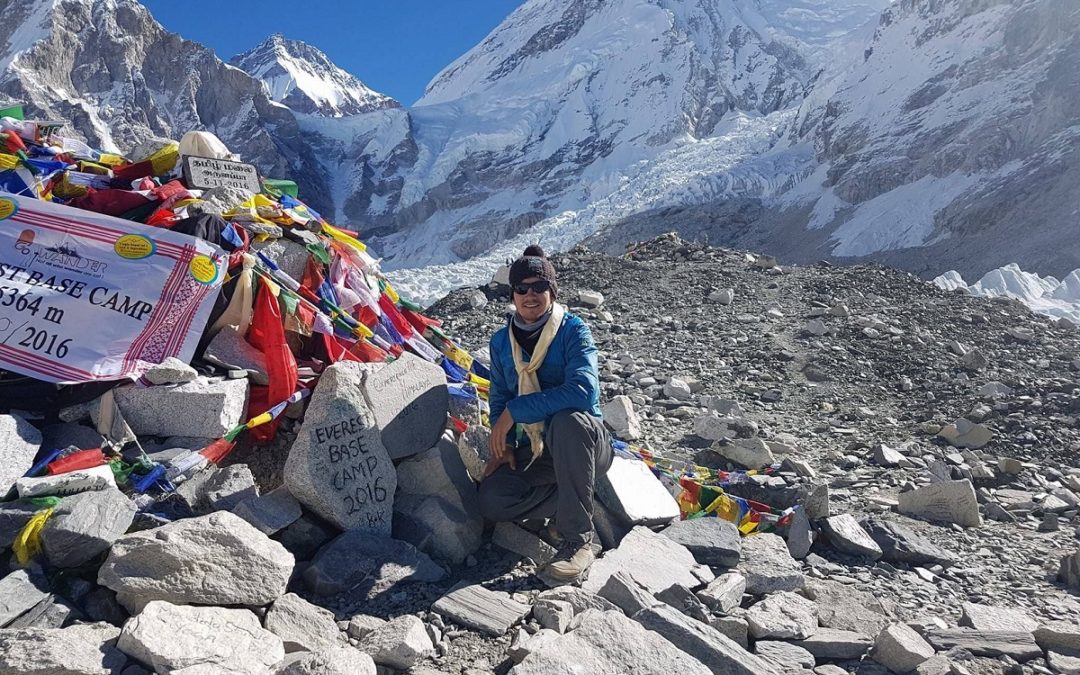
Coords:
560,482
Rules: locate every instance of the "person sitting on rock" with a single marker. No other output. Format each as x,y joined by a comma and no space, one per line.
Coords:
548,442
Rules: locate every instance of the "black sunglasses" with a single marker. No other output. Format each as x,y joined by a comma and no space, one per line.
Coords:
538,286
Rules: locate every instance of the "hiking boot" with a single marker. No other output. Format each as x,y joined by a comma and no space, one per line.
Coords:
571,560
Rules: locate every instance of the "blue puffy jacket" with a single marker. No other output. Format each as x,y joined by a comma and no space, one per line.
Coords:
569,378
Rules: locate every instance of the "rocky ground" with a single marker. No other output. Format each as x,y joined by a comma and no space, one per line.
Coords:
928,439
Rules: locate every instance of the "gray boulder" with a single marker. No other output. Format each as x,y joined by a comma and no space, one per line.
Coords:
399,643
343,660
437,508
712,541
217,559
653,560
357,558
85,525
301,625
82,649
608,643
768,566
172,638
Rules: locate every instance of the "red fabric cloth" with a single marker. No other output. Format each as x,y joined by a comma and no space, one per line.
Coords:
110,202
267,334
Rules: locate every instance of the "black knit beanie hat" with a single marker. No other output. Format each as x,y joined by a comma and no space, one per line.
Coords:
533,263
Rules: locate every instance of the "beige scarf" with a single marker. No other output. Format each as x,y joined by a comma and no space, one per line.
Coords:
528,382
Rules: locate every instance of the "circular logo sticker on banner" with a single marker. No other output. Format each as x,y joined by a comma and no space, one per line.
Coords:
134,247
8,208
203,269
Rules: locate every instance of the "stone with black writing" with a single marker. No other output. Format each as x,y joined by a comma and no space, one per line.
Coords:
19,442
338,466
410,401
951,501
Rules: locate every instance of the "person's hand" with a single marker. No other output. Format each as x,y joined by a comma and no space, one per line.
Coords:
496,462
500,454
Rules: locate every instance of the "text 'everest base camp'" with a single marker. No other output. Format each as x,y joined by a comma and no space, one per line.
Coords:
640,344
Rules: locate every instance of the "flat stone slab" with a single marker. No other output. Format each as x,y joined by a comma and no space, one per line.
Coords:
951,501
712,541
19,442
338,466
768,566
901,544
1019,645
783,616
19,594
85,525
844,607
198,408
74,482
78,649
217,559
634,494
830,643
990,618
845,534
1062,636
608,643
489,612
518,540
787,657
271,512
716,651
182,638
410,400
653,560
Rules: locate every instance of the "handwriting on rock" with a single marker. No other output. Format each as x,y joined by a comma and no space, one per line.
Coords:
355,478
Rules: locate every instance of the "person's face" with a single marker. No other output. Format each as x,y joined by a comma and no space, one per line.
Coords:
532,304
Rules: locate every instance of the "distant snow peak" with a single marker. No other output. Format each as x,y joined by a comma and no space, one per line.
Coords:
304,78
1045,295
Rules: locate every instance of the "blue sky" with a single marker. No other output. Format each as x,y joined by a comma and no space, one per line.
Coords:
394,46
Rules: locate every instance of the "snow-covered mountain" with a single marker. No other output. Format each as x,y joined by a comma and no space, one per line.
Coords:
557,108
927,134
306,80
119,78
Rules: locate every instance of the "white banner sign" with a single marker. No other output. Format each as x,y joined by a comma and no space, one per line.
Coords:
84,296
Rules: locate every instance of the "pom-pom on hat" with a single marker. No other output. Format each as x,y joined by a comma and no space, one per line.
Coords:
533,263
